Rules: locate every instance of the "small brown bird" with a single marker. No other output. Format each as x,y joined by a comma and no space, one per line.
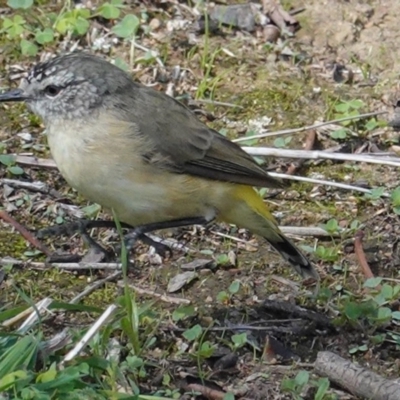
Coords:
143,154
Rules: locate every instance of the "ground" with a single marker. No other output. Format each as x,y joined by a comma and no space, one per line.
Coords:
294,86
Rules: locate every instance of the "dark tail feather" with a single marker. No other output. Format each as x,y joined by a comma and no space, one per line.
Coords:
293,255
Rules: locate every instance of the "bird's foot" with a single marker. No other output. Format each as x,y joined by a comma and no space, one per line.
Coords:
82,226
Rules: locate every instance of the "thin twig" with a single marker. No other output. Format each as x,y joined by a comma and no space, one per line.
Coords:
359,251
162,297
67,266
316,154
215,103
41,305
35,162
307,128
89,334
37,186
323,182
306,231
95,285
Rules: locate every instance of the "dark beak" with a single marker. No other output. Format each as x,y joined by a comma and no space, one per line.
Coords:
13,95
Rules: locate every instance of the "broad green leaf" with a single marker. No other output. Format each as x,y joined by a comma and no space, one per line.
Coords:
372,282
127,27
353,310
44,36
239,339
28,48
302,378
6,159
24,4
15,170
342,107
48,375
183,312
384,313
356,103
234,287
396,315
193,333
109,11
323,386
81,26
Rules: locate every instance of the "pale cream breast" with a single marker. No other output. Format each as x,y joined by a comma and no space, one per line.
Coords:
108,168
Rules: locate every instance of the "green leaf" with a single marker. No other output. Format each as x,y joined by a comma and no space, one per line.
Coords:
384,314
8,380
387,291
376,193
44,36
332,226
239,339
24,4
109,11
75,21
15,170
302,378
396,315
371,124
128,26
372,282
279,142
48,375
342,107
81,26
323,386
183,312
250,142
356,104
7,159
28,48
234,287
229,396
91,210
340,133
395,196
193,333
14,27
222,296
353,311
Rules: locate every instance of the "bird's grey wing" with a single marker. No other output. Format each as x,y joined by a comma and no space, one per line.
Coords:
179,141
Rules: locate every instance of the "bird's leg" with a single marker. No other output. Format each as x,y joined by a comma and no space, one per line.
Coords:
82,226
77,226
139,231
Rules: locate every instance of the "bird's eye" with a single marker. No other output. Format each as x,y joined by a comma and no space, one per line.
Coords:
52,90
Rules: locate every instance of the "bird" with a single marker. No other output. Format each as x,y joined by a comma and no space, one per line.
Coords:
144,155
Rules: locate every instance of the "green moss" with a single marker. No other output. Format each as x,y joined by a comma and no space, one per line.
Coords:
11,244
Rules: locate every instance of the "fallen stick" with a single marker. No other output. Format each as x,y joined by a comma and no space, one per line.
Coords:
356,380
325,155
359,251
162,297
66,266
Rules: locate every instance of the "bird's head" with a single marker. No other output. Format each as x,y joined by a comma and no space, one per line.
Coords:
68,86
